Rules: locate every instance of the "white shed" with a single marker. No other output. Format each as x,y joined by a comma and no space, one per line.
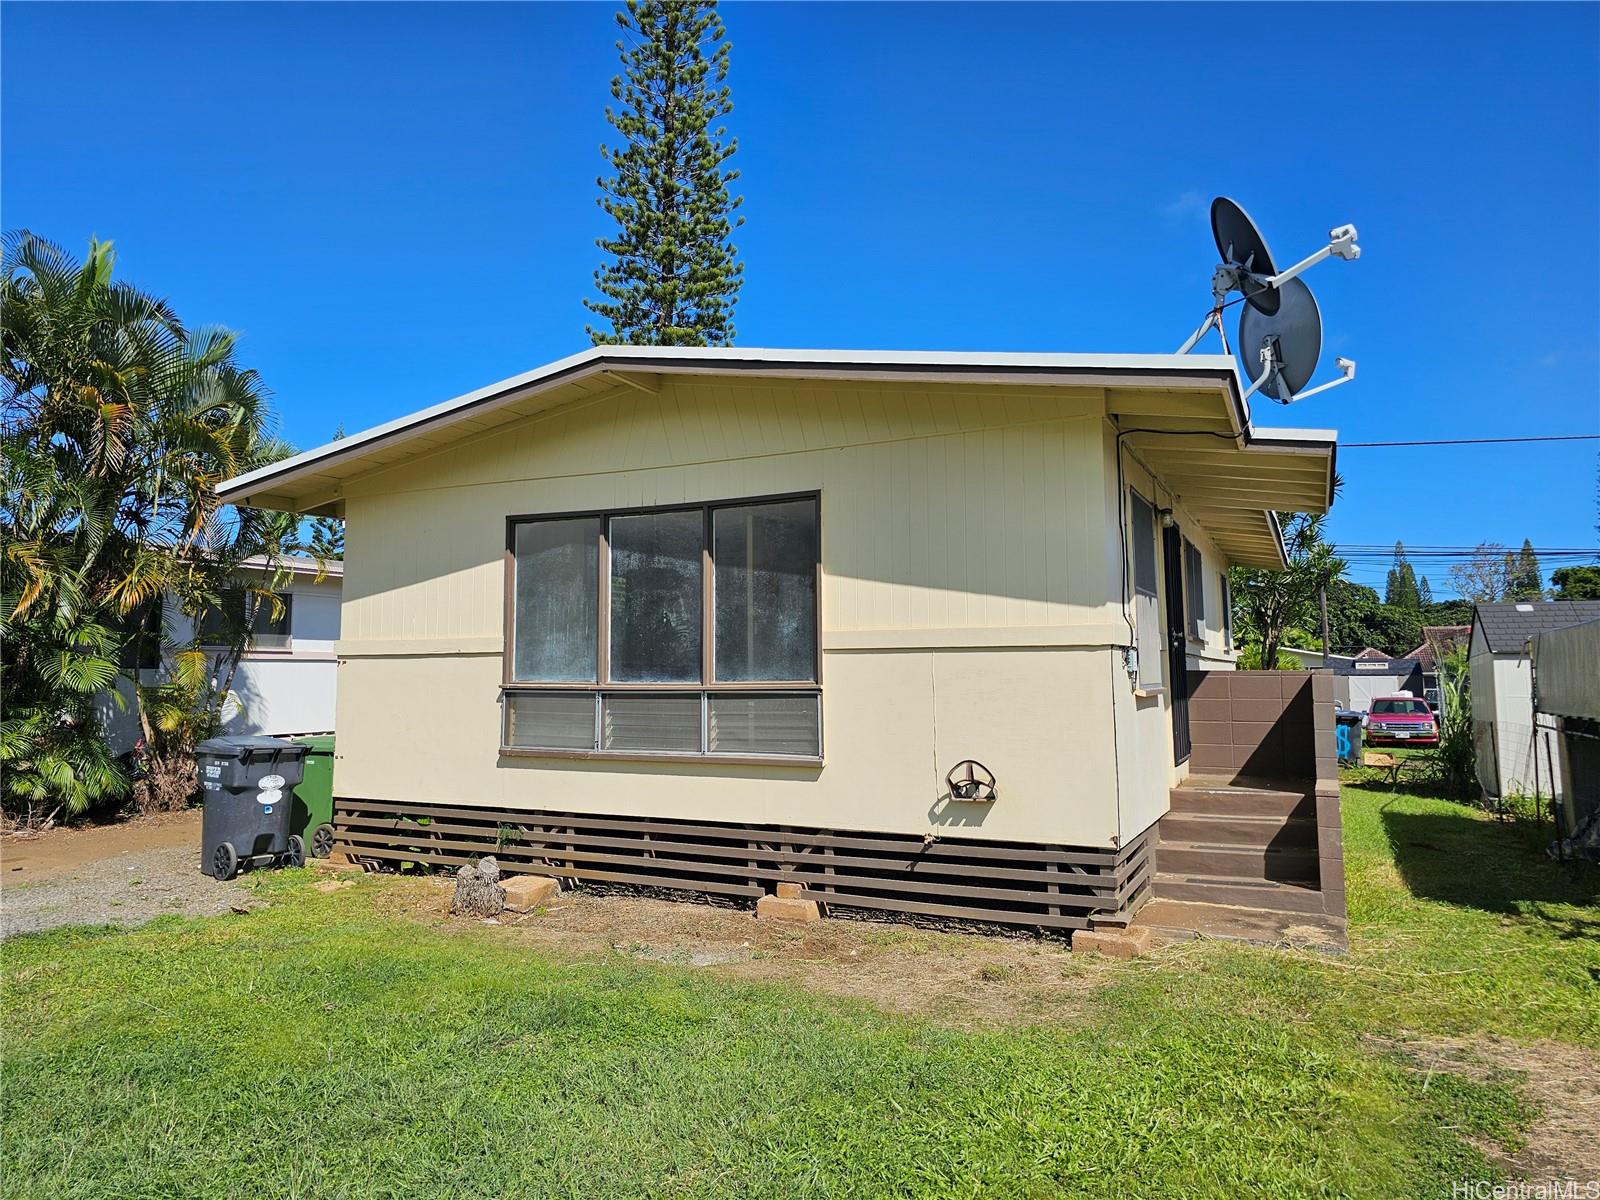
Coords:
1502,690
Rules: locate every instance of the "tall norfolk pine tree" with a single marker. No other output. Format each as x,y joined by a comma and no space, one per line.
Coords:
672,278
1401,590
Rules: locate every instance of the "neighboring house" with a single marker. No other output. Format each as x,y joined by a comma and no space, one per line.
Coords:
1438,642
1358,683
285,682
1502,689
1566,705
1359,678
711,617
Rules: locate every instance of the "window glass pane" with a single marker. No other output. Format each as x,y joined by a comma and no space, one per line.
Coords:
271,631
764,725
141,633
1226,593
1195,586
537,721
1144,545
1147,621
556,619
655,597
765,558
651,723
217,625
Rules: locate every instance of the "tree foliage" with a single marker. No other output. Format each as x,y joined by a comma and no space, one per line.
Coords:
1270,605
672,277
1485,577
118,424
1575,583
1402,590
1448,612
1455,754
1525,580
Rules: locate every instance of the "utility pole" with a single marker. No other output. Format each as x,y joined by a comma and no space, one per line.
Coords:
1322,602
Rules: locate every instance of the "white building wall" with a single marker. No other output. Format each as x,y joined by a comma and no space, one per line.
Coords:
274,692
281,693
1502,724
1513,727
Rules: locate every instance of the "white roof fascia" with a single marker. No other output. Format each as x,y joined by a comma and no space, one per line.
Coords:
804,362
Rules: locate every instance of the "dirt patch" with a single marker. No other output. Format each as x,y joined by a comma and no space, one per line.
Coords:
123,874
25,858
1561,1081
959,979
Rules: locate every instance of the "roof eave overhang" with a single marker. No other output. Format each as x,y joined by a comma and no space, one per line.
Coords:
1204,393
1233,478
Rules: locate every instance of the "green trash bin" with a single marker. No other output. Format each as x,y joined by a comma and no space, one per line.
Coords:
312,816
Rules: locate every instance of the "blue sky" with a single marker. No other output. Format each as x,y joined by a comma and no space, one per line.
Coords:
394,204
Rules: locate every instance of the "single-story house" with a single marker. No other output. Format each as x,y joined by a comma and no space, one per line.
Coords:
919,630
1438,641
1566,706
1502,689
285,683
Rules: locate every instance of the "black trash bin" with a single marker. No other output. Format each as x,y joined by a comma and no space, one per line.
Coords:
248,785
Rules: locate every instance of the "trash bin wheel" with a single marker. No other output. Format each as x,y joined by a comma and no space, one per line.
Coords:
322,841
296,854
224,861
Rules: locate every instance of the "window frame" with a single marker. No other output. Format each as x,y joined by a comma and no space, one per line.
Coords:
1194,591
1227,609
252,603
1149,628
708,685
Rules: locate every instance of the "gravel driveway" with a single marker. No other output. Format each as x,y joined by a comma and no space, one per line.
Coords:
118,876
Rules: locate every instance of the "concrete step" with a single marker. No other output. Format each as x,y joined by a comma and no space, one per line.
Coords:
1184,920
1294,864
1241,893
1244,832
1242,802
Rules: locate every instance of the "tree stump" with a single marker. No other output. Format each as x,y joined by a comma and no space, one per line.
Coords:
478,891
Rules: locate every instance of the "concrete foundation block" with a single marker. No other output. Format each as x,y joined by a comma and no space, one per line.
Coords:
524,893
787,908
1114,943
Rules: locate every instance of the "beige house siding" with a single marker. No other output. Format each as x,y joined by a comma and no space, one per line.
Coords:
956,528
941,510
970,607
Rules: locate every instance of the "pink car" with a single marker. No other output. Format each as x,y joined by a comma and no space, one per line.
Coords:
1401,721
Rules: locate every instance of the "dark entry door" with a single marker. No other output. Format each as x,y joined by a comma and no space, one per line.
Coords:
1177,642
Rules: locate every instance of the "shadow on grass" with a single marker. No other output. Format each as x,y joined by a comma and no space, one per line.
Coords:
1490,865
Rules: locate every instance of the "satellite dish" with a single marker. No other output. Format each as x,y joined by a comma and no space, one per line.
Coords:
1292,336
1244,249
1280,328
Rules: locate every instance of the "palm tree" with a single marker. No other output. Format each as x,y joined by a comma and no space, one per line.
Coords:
118,424
1268,603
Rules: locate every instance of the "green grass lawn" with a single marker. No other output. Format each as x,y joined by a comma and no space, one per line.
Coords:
322,1048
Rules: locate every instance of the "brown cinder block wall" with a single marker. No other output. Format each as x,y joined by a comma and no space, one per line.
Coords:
1262,724
1275,727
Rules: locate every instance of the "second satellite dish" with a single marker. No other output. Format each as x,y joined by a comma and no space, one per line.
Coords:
1292,337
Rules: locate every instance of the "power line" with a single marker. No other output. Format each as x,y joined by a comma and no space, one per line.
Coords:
1488,441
